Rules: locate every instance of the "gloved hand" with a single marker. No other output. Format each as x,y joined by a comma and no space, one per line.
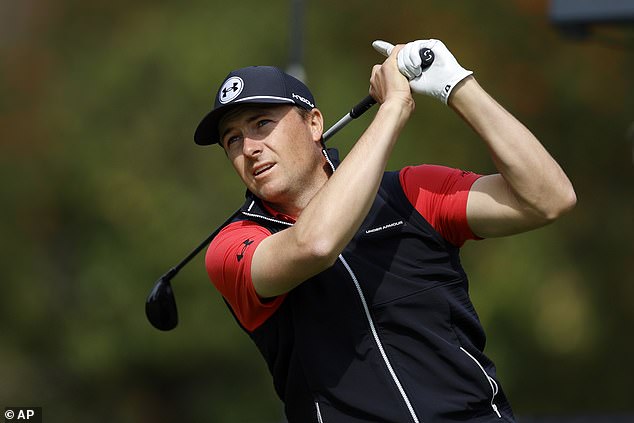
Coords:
439,79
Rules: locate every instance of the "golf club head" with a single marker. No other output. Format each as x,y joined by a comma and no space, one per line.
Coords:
160,305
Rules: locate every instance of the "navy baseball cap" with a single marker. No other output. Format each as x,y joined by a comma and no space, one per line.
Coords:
252,85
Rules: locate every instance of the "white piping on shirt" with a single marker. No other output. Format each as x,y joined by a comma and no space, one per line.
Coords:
492,382
319,418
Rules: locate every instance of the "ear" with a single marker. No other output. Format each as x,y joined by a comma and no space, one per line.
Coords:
316,124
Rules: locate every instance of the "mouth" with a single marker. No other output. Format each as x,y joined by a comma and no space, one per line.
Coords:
262,169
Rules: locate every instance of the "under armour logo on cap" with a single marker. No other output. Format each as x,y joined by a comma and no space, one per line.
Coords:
230,89
252,85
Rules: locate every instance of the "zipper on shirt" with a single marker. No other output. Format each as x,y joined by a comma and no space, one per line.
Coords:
368,317
378,342
492,382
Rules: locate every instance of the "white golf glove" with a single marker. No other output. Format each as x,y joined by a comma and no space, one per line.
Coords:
439,79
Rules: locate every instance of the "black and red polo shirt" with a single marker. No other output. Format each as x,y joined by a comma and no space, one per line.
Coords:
388,333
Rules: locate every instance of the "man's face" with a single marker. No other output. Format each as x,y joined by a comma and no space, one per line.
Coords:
275,151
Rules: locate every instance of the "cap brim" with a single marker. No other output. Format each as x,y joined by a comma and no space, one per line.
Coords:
207,130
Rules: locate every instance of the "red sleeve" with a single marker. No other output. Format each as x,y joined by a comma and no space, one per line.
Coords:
228,262
440,195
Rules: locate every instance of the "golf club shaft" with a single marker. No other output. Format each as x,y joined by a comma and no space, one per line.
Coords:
361,107
174,270
427,58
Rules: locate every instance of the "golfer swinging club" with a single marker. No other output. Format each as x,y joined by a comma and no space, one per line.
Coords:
347,277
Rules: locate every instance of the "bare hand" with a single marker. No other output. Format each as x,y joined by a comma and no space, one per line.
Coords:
387,83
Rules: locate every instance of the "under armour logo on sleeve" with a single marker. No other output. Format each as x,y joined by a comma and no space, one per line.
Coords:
245,244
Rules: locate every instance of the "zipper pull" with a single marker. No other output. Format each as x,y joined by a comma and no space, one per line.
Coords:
495,408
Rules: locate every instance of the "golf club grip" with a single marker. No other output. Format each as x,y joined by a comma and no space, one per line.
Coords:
362,107
427,58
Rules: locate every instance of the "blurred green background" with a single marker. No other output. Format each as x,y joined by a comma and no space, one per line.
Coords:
103,190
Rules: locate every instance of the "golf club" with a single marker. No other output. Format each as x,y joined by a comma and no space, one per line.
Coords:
160,305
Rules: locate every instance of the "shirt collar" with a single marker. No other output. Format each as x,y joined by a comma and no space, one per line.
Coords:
278,215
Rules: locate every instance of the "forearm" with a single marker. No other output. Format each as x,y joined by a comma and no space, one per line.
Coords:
334,214
534,178
342,204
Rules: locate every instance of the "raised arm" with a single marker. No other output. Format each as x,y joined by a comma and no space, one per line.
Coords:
334,214
530,189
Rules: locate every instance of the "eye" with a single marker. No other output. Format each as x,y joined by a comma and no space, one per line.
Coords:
232,140
262,122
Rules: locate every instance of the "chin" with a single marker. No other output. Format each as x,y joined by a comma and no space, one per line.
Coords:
273,196
267,193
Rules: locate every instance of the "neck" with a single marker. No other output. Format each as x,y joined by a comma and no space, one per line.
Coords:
297,202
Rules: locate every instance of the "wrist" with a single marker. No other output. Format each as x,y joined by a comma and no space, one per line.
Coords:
463,93
401,105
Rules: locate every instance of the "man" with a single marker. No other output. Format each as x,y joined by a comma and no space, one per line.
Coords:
349,280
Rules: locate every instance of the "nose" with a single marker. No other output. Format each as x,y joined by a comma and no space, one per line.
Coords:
251,147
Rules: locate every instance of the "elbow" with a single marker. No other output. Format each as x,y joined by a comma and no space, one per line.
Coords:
571,200
560,205
319,251
324,252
